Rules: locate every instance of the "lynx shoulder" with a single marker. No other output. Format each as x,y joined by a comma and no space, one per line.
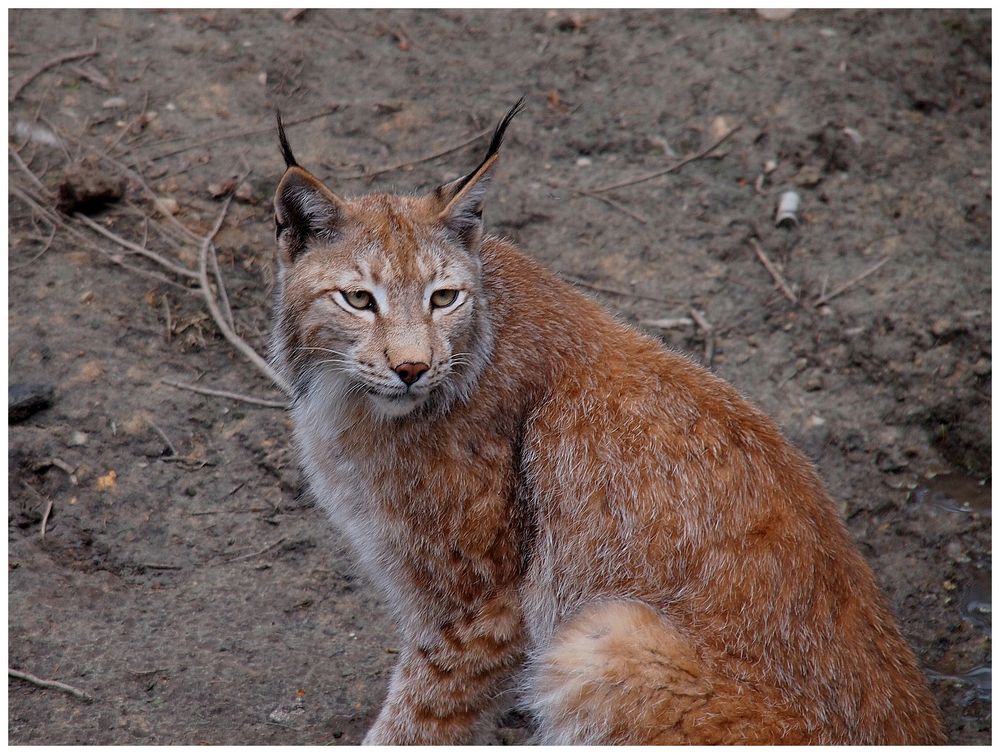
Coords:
556,506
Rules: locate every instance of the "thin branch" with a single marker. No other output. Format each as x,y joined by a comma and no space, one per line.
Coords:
241,345
613,204
136,248
672,169
223,296
51,63
849,284
225,394
255,554
769,266
427,158
45,684
31,176
239,134
573,280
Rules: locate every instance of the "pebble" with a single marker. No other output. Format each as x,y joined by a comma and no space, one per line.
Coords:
167,205
584,162
940,326
77,439
114,103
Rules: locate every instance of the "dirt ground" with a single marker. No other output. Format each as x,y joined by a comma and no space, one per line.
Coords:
183,577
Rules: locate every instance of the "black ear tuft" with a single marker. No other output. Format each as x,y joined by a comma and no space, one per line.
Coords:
286,150
501,128
495,142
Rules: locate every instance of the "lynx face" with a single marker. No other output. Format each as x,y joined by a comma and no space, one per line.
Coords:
379,298
386,306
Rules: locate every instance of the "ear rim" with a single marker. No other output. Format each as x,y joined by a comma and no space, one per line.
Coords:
463,186
296,224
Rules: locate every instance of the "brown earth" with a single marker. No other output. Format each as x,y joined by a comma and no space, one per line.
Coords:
196,593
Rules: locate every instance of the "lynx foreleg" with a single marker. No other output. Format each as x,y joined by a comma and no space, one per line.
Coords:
449,679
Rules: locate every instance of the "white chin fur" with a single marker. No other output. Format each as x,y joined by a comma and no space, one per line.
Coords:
395,407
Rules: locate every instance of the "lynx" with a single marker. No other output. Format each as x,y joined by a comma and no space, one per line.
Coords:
556,506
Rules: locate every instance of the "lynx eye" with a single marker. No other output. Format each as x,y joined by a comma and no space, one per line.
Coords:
444,297
359,299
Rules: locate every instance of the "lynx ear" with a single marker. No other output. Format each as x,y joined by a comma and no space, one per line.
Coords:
461,201
304,208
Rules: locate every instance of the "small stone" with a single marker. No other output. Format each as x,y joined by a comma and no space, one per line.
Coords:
815,421
167,205
245,193
584,162
114,103
25,400
77,439
86,297
949,585
940,327
814,382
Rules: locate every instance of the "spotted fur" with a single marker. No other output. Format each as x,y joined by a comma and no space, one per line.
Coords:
560,508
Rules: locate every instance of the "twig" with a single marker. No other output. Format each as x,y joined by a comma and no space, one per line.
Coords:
136,248
78,693
32,177
163,436
54,218
850,283
225,394
769,266
45,248
239,134
160,567
223,296
709,332
616,291
169,323
48,507
669,323
70,470
417,161
45,518
213,305
51,63
672,169
255,554
613,204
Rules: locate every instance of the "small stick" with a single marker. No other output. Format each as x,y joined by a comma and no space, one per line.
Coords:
213,305
613,204
850,283
223,296
769,266
709,332
672,169
669,323
169,323
34,178
240,134
160,567
162,261
255,554
225,394
48,507
428,158
45,248
41,682
45,518
51,63
616,291
70,470
163,435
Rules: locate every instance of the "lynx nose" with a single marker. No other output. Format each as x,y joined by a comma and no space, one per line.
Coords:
410,372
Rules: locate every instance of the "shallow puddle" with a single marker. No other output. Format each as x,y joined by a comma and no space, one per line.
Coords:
955,492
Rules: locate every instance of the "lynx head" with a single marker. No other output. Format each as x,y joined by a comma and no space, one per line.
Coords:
380,298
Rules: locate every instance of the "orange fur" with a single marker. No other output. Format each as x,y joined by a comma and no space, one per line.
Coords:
565,507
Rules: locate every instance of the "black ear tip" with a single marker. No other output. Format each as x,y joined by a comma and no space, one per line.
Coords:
501,128
286,150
